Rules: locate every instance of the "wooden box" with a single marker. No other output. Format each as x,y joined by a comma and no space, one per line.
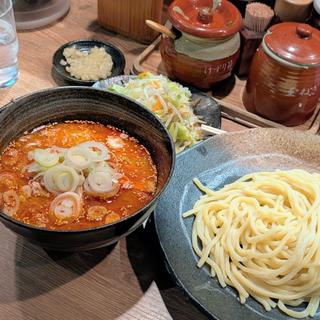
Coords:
128,17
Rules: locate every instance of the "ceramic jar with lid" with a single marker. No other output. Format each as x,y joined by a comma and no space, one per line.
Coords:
284,78
208,44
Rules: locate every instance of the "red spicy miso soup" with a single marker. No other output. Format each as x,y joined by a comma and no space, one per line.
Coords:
75,175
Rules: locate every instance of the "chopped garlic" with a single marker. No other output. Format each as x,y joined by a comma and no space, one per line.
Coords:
83,65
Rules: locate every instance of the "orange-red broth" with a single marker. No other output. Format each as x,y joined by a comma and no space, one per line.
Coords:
132,160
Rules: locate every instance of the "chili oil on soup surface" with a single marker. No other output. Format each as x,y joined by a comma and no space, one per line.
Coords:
136,176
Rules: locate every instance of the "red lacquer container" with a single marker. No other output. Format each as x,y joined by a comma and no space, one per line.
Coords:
284,78
209,46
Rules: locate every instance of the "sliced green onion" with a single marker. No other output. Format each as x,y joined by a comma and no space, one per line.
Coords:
101,183
78,157
96,213
61,178
66,207
60,151
45,158
98,151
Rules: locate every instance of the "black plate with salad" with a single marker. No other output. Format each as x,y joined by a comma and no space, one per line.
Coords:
182,109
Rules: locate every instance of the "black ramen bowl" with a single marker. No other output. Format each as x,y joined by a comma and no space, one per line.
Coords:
81,103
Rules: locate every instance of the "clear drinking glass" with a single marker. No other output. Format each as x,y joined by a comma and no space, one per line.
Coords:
9,70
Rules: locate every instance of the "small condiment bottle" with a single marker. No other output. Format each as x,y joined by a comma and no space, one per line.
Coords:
284,79
297,10
257,18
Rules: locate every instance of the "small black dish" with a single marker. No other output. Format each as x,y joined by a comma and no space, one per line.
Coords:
118,59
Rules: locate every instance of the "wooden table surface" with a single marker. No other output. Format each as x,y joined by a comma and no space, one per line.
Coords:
127,281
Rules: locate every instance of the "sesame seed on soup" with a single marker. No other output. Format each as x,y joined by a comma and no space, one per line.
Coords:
75,175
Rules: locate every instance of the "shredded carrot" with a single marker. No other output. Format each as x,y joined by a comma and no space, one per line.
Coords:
157,105
143,74
156,84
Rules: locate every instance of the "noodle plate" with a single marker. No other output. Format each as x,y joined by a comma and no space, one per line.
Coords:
261,236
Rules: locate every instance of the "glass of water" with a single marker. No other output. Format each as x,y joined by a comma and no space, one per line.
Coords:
9,70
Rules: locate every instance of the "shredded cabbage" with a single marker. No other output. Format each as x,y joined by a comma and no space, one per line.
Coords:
170,101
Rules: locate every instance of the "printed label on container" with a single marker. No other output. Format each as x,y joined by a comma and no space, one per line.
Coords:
309,92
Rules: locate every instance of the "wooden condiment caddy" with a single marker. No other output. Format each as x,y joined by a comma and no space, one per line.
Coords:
128,17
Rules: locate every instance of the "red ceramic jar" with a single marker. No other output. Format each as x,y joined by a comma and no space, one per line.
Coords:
284,79
199,73
209,46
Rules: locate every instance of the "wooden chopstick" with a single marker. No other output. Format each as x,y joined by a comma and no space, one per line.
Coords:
212,130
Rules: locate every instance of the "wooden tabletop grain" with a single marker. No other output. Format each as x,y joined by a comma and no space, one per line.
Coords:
127,281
